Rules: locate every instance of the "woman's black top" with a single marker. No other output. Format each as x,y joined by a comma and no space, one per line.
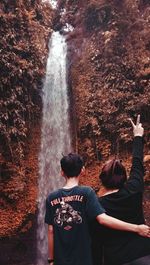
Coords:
118,247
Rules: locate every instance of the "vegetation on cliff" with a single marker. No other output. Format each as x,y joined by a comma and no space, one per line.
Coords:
25,30
25,27
110,71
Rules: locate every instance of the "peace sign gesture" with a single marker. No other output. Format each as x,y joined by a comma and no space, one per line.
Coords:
138,130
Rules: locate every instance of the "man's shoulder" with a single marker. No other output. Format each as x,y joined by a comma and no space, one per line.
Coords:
85,189
53,194
82,190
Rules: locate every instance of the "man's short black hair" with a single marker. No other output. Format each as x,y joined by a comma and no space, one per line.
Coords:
71,165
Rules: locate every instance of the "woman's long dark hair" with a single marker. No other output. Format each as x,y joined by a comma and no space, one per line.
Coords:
113,174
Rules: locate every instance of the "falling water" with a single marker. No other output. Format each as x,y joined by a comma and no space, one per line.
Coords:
55,133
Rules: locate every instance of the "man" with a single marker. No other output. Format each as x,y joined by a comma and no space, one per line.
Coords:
68,211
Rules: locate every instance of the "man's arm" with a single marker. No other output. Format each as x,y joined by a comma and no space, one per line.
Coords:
114,223
51,243
49,221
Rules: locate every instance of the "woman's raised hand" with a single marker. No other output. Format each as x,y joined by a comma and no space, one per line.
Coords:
138,130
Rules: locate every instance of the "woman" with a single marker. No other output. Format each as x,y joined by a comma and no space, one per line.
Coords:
122,198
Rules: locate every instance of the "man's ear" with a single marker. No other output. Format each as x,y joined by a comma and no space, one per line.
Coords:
62,173
83,170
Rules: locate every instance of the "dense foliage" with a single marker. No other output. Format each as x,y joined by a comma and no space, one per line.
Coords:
110,67
109,64
24,29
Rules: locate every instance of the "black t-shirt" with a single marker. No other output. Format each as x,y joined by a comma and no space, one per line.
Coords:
69,211
119,247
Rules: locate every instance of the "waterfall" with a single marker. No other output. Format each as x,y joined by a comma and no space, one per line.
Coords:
55,138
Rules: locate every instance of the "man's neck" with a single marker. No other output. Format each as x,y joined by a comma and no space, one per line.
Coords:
71,182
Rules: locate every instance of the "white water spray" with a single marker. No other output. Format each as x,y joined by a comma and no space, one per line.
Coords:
55,133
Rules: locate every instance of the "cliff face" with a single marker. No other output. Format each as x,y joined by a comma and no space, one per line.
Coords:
109,66
25,30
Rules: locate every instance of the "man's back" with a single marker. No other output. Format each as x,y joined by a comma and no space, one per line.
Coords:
69,211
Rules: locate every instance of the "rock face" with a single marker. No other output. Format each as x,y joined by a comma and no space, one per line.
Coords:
109,64
25,30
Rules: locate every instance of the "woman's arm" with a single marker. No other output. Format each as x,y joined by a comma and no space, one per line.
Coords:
135,182
114,223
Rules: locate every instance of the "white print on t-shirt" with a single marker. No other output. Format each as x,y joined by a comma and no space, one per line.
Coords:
56,201
66,216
